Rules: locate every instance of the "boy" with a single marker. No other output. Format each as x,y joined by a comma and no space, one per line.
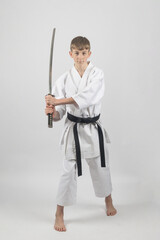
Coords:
79,92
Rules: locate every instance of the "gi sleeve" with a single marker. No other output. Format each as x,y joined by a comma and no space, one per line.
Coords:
92,93
59,92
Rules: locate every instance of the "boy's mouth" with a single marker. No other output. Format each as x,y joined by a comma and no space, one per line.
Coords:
80,61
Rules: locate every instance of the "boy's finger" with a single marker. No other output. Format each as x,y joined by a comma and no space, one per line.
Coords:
47,106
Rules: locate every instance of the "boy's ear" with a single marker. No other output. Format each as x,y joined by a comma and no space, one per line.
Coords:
90,53
70,53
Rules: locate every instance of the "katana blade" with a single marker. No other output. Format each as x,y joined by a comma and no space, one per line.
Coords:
51,59
50,116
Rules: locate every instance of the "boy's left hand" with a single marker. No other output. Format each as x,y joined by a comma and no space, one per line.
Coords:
50,100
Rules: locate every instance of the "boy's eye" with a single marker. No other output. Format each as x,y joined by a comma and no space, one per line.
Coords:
84,53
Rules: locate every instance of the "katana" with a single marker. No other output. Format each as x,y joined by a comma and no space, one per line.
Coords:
50,115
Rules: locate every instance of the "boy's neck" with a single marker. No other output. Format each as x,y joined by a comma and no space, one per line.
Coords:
81,67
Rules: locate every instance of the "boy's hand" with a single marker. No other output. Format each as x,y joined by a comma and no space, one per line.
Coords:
50,109
50,100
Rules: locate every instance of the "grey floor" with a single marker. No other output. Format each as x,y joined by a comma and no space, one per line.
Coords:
28,206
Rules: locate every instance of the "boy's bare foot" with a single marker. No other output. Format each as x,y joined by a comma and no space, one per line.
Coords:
111,211
59,223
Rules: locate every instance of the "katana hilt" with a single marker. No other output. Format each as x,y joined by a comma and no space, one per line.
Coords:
50,116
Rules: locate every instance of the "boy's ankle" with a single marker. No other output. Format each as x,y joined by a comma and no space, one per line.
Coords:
59,214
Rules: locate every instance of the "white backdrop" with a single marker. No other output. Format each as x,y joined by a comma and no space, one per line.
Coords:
125,37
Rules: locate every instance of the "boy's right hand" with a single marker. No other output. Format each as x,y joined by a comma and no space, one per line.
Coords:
50,109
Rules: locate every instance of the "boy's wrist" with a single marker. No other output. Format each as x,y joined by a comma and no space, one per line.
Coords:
56,116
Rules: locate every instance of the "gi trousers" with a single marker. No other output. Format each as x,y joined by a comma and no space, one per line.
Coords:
101,179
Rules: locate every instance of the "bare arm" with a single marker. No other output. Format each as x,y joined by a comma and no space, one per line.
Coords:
54,101
63,101
51,102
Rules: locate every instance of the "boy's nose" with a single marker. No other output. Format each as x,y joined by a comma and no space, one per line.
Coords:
80,57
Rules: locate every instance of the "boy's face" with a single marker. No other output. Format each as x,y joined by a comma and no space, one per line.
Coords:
80,56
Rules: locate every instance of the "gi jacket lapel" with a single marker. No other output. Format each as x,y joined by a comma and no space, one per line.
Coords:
81,82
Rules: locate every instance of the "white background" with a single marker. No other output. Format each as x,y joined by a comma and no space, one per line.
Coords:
125,37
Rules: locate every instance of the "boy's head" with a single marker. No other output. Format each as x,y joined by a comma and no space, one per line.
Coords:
80,43
80,49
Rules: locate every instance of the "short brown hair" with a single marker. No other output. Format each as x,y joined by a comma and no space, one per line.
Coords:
80,43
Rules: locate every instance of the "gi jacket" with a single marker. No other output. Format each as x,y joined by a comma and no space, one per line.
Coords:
87,91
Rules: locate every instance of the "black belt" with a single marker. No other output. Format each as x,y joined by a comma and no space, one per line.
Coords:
100,134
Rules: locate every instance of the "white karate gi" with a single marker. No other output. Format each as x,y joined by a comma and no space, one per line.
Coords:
87,93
